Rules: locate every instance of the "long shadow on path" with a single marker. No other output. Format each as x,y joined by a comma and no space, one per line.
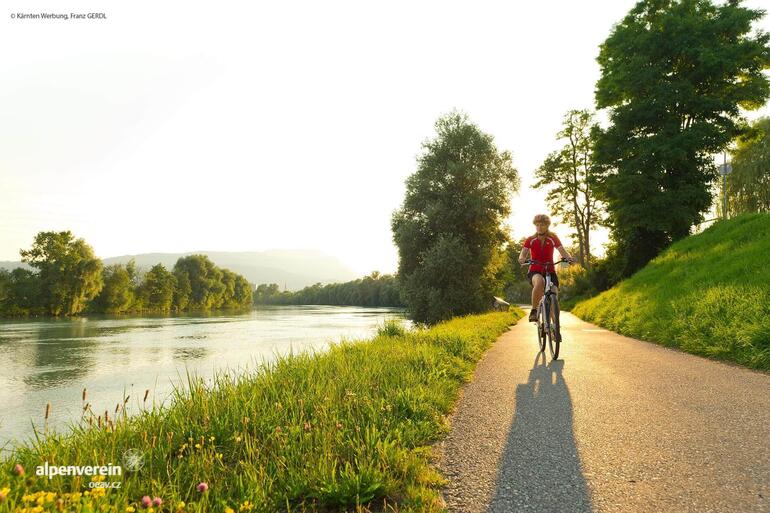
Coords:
540,470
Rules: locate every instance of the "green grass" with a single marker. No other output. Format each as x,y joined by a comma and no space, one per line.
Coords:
708,294
345,430
391,328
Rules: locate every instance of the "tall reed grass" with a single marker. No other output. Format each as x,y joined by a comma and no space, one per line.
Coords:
345,430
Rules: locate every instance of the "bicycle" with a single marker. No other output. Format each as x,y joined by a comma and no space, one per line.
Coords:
547,311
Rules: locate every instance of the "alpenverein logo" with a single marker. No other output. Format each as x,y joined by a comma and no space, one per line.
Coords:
78,470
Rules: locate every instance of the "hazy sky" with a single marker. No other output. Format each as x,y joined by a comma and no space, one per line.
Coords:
181,126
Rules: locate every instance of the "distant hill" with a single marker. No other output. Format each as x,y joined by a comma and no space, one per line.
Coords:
293,268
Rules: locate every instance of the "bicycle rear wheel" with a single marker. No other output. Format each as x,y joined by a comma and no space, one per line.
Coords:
554,340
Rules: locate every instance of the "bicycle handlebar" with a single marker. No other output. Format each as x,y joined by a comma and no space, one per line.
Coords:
537,262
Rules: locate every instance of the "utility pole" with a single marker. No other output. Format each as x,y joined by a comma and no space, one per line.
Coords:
724,170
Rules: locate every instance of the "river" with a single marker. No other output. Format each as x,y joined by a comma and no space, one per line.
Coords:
53,360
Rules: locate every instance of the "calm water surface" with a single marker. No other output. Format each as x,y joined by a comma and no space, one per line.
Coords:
53,360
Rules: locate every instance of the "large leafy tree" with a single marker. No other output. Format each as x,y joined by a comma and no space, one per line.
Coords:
243,293
568,176
157,289
748,186
201,285
68,272
20,292
117,295
674,76
205,280
449,230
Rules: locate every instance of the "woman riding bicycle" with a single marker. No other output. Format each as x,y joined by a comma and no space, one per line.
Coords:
540,247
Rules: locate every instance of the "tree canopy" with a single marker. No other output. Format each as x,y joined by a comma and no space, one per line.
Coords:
68,279
674,76
449,230
748,186
373,290
69,275
568,176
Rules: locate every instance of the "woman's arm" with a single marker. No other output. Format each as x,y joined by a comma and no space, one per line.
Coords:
524,255
564,254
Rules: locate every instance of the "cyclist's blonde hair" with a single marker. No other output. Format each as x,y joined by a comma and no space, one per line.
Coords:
543,218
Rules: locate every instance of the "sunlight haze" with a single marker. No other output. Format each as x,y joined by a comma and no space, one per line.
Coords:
175,126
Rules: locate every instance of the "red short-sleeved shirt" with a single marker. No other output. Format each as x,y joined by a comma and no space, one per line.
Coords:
542,252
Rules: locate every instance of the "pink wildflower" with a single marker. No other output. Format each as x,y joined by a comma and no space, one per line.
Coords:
202,487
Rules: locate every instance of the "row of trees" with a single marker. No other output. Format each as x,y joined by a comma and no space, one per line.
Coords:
373,290
675,76
570,178
67,279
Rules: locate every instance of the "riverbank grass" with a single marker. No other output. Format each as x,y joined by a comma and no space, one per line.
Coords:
349,429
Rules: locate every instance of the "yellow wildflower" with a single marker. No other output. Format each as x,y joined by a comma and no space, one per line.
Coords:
197,446
246,506
229,510
130,509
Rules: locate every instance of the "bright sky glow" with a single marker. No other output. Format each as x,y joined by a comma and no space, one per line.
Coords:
183,126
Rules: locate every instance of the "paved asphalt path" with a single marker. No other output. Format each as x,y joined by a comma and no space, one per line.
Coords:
615,424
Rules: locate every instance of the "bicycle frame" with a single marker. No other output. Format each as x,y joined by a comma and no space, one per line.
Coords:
548,292
545,302
547,319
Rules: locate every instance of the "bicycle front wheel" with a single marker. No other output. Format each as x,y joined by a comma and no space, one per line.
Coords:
554,340
542,325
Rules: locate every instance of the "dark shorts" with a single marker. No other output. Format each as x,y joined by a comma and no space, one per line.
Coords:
554,278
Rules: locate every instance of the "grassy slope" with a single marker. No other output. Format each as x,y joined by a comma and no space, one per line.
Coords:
708,294
308,432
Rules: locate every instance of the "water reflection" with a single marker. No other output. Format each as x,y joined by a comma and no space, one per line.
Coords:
53,360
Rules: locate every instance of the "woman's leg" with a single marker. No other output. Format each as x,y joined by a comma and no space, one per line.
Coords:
538,286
